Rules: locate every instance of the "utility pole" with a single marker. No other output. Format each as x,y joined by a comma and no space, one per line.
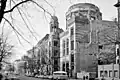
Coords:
118,7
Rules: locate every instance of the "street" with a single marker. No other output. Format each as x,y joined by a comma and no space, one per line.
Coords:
22,77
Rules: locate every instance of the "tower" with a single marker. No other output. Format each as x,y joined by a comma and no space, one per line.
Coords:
54,24
54,44
79,18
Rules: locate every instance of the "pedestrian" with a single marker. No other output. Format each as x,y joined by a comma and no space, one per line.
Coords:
83,77
86,77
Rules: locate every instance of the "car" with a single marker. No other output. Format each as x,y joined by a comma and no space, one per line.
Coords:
41,76
60,75
36,75
46,76
27,74
50,77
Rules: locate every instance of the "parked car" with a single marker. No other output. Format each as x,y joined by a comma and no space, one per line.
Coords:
27,74
46,77
58,75
36,76
41,76
31,75
50,77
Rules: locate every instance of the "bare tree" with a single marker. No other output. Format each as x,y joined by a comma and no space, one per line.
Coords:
108,40
9,7
5,49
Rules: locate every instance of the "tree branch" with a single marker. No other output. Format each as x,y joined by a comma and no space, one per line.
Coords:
16,6
16,31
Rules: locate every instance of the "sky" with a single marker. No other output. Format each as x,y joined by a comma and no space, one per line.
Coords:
40,22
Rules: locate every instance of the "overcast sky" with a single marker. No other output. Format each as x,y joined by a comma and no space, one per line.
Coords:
41,25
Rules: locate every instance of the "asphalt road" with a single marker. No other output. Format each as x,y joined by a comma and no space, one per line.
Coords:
22,77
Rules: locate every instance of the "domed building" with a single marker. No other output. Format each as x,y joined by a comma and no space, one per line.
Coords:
88,10
75,50
79,43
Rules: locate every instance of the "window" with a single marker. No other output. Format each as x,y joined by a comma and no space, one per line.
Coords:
117,51
72,45
55,62
63,68
115,73
72,31
55,27
106,74
110,73
72,57
100,46
67,46
67,66
72,67
55,43
55,52
100,62
101,73
63,48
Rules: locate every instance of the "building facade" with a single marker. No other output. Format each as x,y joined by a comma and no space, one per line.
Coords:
78,48
108,72
47,50
79,44
54,44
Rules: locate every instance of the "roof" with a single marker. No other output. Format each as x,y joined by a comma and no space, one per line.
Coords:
46,37
83,5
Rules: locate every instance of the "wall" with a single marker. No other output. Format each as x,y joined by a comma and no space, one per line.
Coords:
109,68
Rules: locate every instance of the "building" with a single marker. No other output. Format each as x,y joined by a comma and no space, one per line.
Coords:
54,44
47,50
77,49
108,72
43,55
19,66
85,34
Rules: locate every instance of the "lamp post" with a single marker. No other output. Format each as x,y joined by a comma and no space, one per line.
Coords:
118,7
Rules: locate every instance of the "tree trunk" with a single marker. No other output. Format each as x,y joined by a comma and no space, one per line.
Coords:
2,8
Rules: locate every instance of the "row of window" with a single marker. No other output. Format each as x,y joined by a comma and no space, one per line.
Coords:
109,73
65,66
66,48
